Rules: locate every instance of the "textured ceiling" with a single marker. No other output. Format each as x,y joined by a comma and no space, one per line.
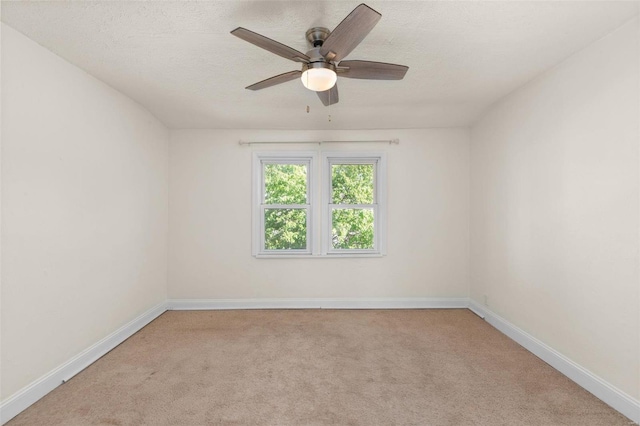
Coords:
179,60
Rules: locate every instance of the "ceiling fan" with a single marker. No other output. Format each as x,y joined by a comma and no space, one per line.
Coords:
323,63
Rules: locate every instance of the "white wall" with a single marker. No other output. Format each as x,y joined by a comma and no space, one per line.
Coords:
555,209
554,191
210,220
84,211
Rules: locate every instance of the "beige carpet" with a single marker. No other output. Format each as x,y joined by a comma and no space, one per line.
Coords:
319,367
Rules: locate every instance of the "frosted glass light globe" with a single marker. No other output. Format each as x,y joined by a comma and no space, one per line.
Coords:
319,79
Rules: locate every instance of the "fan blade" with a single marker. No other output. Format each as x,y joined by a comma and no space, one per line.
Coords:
270,45
329,97
349,33
372,70
282,78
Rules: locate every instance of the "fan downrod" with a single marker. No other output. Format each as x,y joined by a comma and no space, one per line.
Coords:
317,35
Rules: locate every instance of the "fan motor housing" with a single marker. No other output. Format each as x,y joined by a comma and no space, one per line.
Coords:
319,64
317,35
315,56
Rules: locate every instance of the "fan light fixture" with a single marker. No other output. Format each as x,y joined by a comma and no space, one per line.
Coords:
322,64
319,78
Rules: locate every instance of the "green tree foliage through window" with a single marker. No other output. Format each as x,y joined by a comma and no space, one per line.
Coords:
285,229
352,183
352,229
285,184
286,206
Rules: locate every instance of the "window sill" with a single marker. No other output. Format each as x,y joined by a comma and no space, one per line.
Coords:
316,256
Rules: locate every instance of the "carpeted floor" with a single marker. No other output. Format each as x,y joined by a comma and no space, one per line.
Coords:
319,367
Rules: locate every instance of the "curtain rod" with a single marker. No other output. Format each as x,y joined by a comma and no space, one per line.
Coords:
389,141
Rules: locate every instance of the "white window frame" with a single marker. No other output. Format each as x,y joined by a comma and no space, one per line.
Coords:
308,158
318,205
379,205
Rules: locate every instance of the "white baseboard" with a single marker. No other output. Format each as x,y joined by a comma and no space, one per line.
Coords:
22,399
608,393
356,303
617,399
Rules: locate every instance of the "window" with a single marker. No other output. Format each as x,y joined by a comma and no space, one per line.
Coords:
283,204
290,220
352,206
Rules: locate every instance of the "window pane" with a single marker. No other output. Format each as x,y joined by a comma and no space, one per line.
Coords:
285,184
352,229
352,183
285,229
